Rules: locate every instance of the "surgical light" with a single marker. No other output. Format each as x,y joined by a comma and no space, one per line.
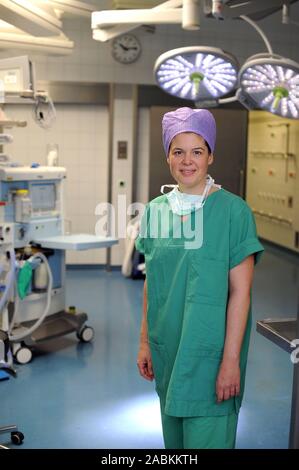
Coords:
196,73
271,82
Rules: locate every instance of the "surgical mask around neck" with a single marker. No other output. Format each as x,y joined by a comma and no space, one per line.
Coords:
184,203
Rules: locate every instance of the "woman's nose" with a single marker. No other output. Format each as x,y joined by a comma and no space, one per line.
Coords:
187,158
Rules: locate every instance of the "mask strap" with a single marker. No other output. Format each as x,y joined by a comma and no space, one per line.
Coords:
209,184
211,181
167,186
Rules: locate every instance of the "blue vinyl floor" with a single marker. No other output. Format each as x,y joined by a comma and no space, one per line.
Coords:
90,396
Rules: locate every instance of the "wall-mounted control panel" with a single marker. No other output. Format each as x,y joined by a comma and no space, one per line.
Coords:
272,182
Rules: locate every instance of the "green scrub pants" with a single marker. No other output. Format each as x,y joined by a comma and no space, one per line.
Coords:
203,432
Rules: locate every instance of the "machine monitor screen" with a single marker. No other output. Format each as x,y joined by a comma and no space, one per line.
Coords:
43,196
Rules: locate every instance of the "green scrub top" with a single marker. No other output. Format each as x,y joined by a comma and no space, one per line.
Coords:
187,295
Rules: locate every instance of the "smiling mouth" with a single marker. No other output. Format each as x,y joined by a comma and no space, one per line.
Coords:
187,172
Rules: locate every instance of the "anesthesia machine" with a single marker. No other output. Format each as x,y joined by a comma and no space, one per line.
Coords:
32,257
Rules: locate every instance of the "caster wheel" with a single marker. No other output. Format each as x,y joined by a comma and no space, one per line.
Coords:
17,437
23,355
86,334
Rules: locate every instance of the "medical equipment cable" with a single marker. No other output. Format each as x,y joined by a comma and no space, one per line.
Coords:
10,279
44,112
20,336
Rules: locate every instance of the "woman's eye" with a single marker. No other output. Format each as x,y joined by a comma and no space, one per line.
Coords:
178,153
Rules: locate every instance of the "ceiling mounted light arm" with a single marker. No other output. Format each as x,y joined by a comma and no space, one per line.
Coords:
59,45
191,15
286,15
104,34
229,99
188,16
30,17
225,9
74,6
106,19
259,30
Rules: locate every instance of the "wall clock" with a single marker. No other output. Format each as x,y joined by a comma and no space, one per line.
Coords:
126,48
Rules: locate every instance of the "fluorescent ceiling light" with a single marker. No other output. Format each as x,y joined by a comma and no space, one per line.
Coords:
31,16
271,82
196,73
59,45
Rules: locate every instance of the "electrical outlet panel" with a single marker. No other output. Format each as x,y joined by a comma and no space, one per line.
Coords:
272,180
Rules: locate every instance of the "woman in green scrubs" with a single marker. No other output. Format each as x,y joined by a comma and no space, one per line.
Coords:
200,246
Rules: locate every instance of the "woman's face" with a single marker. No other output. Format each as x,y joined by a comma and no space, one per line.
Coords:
188,161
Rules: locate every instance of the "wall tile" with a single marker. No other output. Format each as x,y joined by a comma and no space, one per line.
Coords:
78,152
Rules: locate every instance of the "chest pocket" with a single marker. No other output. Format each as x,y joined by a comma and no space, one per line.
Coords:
207,281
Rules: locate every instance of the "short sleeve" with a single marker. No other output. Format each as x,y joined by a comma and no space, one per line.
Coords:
243,237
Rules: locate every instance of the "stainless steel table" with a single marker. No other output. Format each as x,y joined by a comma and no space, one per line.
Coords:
282,332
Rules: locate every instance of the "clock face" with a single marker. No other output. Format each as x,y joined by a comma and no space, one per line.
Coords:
126,49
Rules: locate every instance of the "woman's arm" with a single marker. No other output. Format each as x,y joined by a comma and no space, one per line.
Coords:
240,281
144,359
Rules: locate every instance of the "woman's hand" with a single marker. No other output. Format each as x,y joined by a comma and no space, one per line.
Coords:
144,361
228,380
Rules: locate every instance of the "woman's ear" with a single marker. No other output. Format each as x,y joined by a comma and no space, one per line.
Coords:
210,159
167,159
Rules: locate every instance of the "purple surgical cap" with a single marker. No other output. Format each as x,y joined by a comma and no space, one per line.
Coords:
199,121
